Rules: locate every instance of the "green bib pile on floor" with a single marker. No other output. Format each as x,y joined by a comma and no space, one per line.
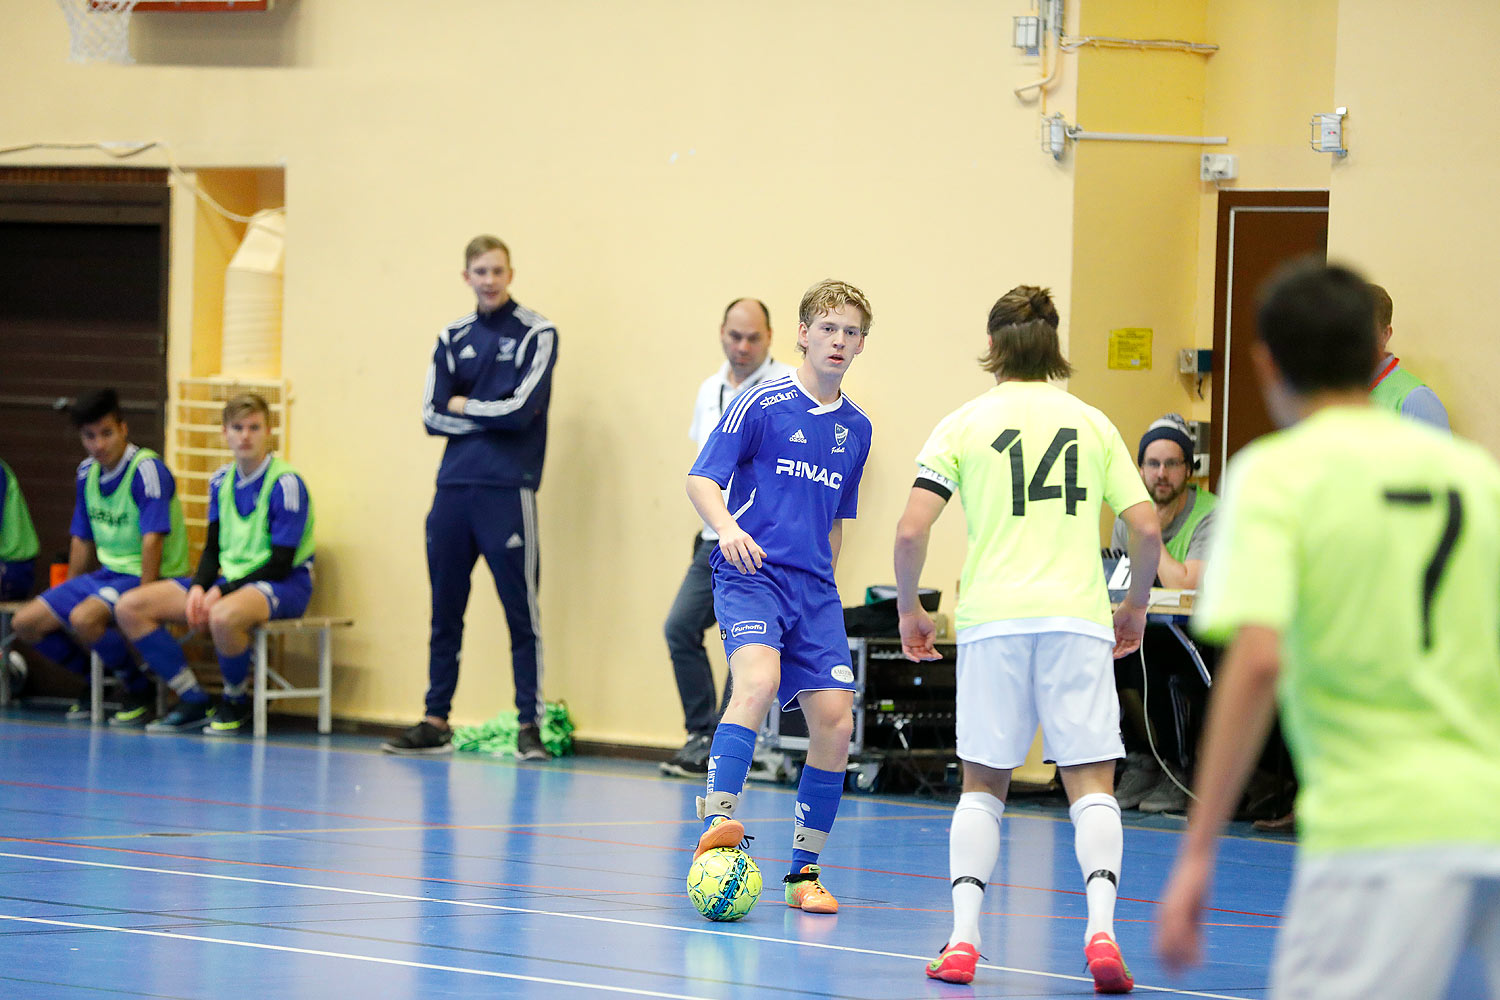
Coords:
498,736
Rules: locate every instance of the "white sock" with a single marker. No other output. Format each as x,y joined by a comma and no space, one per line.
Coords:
1099,843
973,849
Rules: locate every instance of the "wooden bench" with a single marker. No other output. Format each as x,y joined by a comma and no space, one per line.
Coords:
270,685
7,610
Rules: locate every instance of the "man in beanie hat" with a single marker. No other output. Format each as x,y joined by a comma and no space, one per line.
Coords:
1186,515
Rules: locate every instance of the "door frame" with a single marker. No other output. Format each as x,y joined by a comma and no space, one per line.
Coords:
1231,204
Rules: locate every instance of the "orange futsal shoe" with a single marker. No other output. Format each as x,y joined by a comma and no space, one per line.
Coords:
1107,966
806,893
723,832
955,964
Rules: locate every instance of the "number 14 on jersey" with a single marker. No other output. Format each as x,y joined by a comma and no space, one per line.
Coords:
1065,446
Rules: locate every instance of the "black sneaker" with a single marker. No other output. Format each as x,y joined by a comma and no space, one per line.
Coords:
422,739
529,745
135,711
692,760
229,717
186,717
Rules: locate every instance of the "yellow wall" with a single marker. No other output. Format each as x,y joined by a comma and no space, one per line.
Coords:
1135,228
1261,88
647,163
1414,204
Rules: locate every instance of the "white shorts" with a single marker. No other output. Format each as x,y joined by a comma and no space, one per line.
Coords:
1009,683
1391,924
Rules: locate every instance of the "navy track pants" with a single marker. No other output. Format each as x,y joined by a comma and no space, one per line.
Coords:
499,523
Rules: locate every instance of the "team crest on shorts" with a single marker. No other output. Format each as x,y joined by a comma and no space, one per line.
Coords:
748,628
843,674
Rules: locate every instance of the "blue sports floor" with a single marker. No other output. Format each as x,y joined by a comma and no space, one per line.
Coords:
162,866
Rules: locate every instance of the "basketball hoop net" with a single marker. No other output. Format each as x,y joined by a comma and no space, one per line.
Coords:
100,30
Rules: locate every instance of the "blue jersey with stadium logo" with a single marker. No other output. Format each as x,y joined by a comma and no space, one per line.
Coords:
793,467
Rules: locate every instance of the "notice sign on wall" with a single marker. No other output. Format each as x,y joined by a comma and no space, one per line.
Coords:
1130,348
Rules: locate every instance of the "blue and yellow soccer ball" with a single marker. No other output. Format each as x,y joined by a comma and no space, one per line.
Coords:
724,883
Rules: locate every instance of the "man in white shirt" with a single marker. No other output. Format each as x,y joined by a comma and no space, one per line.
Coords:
745,335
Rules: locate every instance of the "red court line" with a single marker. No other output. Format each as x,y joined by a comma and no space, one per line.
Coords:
203,802
333,871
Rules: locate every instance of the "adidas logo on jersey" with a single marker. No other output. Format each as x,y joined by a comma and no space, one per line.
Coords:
514,542
467,352
798,438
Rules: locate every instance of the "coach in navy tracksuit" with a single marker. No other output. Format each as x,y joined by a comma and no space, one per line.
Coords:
487,392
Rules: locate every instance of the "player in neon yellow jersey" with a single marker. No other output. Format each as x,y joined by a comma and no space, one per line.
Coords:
18,541
1355,571
1035,634
256,566
127,517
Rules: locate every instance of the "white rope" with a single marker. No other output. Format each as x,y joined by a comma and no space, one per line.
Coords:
124,151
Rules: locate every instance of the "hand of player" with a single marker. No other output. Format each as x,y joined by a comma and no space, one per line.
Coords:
196,616
210,598
917,633
740,550
1130,626
456,404
1178,940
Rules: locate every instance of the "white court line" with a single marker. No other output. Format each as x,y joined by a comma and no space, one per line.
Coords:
474,904
355,958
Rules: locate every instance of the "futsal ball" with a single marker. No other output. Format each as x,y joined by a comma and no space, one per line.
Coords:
724,883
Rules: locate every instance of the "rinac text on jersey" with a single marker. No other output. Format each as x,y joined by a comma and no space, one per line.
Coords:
792,466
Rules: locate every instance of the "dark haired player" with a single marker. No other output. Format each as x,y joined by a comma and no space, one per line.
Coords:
127,516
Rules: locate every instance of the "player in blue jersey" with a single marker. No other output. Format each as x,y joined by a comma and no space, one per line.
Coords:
257,565
791,452
487,392
127,518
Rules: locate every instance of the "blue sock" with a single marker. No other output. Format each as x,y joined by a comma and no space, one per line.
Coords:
115,656
63,651
729,759
235,670
818,796
165,659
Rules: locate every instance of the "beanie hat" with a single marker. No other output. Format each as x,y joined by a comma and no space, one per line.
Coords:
1169,428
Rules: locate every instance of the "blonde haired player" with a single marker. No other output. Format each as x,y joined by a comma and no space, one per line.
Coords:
791,453
1035,636
256,566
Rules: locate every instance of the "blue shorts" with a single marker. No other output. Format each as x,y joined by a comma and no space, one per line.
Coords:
16,579
288,598
791,611
105,584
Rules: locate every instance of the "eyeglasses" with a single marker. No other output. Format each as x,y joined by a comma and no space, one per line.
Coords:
1171,464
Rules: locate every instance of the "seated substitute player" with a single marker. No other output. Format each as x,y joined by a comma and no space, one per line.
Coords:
1035,636
1354,571
18,541
791,452
125,514
257,566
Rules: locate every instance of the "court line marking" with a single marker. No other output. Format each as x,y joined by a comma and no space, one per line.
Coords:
59,841
356,958
500,907
62,842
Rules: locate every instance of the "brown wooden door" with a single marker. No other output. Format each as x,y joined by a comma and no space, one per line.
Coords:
82,306
1258,232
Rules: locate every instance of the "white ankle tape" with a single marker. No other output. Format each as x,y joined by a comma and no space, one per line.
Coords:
808,839
717,804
